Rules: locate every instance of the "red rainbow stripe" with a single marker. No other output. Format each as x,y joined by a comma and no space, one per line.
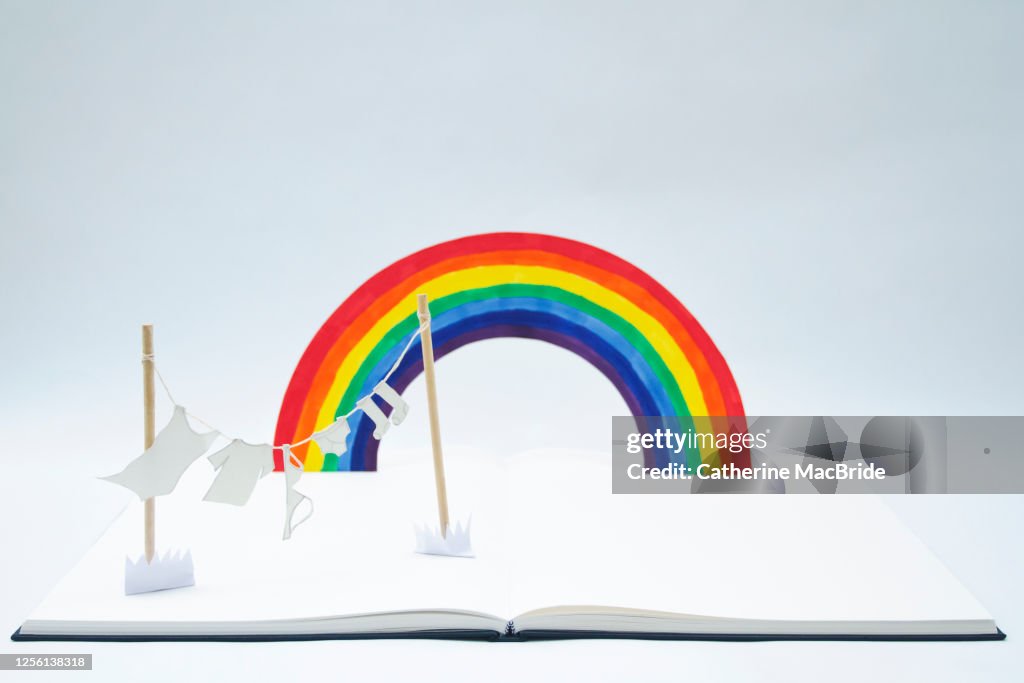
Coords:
501,284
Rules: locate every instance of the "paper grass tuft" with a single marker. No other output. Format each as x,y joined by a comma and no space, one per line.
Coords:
173,570
455,543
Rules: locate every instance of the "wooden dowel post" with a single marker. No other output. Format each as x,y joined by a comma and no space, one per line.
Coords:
149,417
427,344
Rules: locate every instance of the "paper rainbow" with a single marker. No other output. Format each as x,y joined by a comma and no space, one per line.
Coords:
536,286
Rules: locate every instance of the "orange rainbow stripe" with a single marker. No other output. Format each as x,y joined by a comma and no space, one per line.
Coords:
507,284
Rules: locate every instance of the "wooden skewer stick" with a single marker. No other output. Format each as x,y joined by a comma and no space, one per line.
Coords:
427,344
149,412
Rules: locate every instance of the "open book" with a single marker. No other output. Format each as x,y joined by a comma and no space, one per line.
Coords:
557,555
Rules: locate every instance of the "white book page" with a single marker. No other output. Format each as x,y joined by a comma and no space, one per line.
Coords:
795,557
547,532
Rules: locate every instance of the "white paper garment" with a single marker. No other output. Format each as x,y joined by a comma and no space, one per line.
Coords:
293,499
400,407
157,471
239,466
380,420
398,413
332,439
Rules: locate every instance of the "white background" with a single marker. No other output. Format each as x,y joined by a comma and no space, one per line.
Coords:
831,188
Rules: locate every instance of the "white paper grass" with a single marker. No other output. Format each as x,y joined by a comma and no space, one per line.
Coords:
173,570
455,543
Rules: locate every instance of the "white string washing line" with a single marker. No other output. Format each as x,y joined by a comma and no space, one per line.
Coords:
295,460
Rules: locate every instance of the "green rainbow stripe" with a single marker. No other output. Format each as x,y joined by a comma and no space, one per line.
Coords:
395,338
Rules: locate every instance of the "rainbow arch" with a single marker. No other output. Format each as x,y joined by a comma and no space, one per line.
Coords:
535,286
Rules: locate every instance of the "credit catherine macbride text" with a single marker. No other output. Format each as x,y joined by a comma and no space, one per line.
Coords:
734,442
